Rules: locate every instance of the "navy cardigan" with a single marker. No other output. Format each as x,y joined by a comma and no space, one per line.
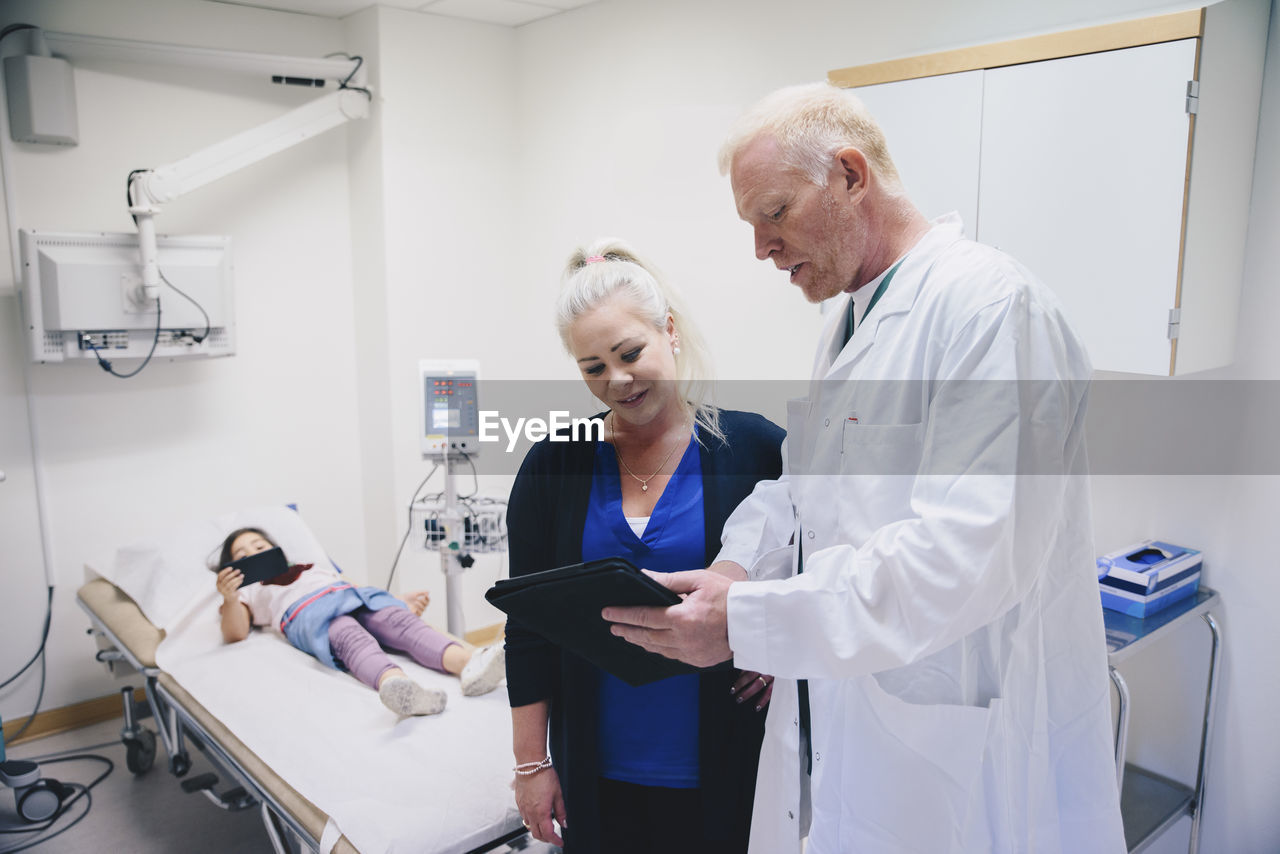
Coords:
545,517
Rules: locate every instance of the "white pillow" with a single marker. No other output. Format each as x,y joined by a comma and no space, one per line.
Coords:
165,574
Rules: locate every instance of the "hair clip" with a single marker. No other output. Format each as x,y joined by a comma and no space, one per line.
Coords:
593,259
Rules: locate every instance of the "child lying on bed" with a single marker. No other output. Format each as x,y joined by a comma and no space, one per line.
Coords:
347,627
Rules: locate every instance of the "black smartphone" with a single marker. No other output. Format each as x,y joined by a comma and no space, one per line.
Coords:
262,566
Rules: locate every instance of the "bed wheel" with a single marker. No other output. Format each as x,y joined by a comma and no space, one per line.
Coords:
140,751
179,765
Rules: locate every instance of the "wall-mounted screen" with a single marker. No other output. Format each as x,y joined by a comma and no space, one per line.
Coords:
82,292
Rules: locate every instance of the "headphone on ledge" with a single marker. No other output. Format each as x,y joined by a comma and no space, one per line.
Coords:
37,798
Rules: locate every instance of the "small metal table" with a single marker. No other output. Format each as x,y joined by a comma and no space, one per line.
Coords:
1150,803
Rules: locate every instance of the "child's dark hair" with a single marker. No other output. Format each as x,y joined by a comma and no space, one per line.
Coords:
225,557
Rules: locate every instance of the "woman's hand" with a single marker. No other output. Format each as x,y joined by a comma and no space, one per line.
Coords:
229,581
751,684
417,601
539,799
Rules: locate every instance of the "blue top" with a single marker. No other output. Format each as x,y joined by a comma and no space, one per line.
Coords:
546,516
648,734
308,630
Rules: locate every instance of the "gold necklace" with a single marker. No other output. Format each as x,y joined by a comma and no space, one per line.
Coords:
644,481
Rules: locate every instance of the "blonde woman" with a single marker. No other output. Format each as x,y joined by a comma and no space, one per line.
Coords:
669,766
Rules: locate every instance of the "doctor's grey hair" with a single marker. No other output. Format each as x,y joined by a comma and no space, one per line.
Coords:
609,267
810,123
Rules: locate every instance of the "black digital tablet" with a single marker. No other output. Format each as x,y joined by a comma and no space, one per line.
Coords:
564,604
262,566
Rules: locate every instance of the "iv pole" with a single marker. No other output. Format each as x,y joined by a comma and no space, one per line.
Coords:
451,547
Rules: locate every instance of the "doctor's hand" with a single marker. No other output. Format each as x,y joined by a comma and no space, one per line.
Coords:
751,684
417,601
539,799
696,631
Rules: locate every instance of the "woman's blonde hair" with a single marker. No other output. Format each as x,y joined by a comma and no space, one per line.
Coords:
609,267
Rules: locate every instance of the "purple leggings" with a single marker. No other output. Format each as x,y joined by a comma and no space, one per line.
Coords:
357,640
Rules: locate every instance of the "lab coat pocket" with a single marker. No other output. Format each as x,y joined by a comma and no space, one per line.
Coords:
880,449
915,772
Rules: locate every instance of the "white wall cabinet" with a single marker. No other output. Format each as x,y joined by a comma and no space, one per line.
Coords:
1082,170
1084,156
937,165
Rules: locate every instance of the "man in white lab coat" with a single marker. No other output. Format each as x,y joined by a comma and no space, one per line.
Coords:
921,580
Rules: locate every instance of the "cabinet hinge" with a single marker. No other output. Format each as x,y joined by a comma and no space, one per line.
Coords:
1193,96
1175,322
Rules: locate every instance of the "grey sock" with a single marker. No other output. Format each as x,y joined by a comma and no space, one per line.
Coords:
403,696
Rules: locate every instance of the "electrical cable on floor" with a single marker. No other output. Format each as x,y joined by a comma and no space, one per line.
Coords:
115,742
81,790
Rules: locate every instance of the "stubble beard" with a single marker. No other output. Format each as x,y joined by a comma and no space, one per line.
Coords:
840,228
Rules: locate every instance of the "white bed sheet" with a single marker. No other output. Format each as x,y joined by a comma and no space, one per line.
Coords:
438,784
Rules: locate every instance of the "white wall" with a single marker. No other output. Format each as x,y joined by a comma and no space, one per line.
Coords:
492,153
182,440
446,121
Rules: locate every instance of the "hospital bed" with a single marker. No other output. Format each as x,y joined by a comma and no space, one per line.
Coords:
413,788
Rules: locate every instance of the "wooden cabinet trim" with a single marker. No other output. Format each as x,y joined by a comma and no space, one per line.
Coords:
1143,31
1186,205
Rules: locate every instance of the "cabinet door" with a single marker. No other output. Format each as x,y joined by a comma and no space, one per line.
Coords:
934,127
1084,161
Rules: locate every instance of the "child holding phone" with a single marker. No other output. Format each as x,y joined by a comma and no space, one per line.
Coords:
349,628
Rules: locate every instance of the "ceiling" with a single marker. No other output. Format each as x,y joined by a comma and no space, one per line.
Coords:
511,13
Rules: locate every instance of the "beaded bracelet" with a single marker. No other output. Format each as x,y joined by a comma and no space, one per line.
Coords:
525,769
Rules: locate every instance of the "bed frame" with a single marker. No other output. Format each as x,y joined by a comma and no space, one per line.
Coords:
292,822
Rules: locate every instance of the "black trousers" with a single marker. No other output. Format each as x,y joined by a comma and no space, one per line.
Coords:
654,820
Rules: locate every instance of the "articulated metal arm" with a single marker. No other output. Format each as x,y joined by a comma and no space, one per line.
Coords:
150,189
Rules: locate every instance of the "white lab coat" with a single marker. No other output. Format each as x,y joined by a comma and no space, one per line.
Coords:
947,616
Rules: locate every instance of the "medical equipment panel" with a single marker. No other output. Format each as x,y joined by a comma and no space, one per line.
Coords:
42,99
82,293
449,415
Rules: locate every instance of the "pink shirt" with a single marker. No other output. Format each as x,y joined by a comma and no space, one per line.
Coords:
268,602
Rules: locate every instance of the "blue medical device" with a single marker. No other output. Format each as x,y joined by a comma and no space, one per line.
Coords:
1148,577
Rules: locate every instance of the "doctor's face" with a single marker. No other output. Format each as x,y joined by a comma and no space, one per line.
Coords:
810,231
625,362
